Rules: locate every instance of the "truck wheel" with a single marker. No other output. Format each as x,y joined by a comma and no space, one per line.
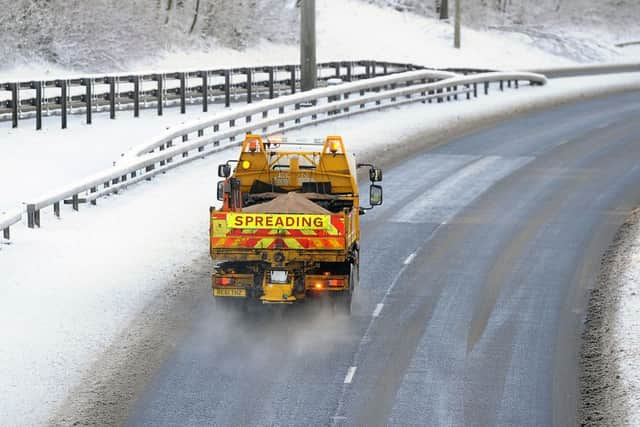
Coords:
342,302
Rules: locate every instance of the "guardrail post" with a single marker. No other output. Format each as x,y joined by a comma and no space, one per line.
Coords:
36,217
93,201
31,213
297,107
63,102
517,83
136,96
486,88
508,83
349,71
455,93
15,104
227,88
249,83
56,209
293,79
475,90
385,68
468,88
87,99
501,85
160,89
336,66
161,148
75,202
183,93
112,97
373,68
205,91
6,233
38,87
271,82
281,111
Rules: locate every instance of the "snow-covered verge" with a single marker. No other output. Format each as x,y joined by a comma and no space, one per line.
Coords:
610,363
352,29
87,36
53,157
70,288
627,330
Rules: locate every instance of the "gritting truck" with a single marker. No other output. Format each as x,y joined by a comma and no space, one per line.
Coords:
288,229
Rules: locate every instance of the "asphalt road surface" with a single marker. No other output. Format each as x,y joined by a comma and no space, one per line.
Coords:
474,279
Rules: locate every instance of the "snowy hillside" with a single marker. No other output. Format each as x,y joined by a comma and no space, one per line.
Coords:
111,35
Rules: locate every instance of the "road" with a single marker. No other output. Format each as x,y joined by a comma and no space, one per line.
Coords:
474,279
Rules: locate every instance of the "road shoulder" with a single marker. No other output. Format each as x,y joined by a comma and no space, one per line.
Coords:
605,388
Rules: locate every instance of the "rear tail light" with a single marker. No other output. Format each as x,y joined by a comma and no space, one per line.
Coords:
320,282
335,283
224,281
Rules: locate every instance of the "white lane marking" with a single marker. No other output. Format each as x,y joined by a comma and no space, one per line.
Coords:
409,259
350,373
378,309
432,169
443,201
365,338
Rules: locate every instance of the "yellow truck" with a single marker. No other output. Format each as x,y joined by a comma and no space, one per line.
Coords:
289,229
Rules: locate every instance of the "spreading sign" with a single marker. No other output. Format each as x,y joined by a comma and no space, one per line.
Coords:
287,221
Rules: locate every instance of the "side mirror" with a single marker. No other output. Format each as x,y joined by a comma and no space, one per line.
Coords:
375,195
375,174
224,170
220,193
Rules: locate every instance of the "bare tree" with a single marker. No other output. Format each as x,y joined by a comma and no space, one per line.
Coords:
195,17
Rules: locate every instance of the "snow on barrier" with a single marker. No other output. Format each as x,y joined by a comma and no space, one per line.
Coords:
587,70
114,92
198,138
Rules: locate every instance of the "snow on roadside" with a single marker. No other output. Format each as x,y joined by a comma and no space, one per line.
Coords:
627,330
53,157
68,289
351,29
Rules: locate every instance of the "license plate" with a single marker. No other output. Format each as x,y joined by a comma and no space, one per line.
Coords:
242,293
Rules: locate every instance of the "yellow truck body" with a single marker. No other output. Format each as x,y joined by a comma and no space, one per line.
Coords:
289,227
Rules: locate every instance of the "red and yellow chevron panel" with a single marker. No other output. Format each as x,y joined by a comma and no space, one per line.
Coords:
235,230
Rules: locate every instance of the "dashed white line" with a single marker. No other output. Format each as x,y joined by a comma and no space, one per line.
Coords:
365,338
350,373
378,309
409,259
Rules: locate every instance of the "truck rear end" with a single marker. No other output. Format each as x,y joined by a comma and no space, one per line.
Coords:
279,258
288,229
